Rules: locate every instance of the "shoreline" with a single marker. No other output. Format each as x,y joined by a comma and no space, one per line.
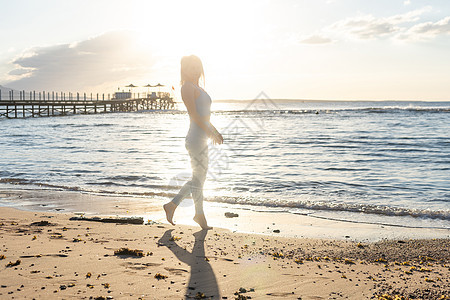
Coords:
250,219
45,255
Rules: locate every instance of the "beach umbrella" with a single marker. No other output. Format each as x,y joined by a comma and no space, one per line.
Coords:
148,86
131,86
159,85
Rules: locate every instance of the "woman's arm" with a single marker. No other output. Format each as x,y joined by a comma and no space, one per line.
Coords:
188,94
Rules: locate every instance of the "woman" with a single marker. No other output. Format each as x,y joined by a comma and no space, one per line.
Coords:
198,104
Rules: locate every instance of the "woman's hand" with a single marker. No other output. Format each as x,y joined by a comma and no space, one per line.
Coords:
216,137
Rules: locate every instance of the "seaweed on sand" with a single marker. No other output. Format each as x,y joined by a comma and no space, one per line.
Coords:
129,252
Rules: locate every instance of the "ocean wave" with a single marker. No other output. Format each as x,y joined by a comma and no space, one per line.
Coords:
289,206
131,178
339,207
390,109
27,182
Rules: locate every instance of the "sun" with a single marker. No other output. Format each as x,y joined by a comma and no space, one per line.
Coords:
220,33
230,38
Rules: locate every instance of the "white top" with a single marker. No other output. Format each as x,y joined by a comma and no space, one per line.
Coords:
203,105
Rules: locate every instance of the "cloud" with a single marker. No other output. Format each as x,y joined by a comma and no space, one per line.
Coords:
407,2
23,72
111,57
427,30
369,27
315,39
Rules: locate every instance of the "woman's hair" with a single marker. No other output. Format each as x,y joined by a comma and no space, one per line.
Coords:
191,69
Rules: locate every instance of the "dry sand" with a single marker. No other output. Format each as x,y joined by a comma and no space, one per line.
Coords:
75,260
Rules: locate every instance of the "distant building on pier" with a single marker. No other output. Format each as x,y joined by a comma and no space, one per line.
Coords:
122,95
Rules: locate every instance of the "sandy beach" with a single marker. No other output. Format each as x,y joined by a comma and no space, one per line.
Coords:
47,256
309,138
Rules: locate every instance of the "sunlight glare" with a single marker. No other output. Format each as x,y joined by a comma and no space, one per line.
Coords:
225,34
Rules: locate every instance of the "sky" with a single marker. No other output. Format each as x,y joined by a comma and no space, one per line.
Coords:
289,49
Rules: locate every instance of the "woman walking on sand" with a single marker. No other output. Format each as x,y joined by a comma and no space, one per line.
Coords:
198,104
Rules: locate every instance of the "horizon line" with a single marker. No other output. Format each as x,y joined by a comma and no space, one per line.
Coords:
285,99
322,100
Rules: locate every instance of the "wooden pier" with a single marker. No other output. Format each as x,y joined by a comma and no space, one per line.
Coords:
42,104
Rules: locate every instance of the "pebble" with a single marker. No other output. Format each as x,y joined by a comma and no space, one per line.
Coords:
231,215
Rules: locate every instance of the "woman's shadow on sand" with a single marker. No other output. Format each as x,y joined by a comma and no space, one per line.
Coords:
202,278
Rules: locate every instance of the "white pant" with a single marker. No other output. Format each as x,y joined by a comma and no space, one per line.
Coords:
199,163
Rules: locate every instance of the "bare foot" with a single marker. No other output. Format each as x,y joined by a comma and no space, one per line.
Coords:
169,208
201,220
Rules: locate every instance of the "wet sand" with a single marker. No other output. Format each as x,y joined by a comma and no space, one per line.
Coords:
251,219
63,259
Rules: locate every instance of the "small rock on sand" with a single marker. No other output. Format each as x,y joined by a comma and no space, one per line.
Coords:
231,215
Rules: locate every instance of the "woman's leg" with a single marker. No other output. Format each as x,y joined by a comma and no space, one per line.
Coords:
183,193
199,163
170,207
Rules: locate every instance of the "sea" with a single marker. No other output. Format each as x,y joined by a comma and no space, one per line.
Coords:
380,162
